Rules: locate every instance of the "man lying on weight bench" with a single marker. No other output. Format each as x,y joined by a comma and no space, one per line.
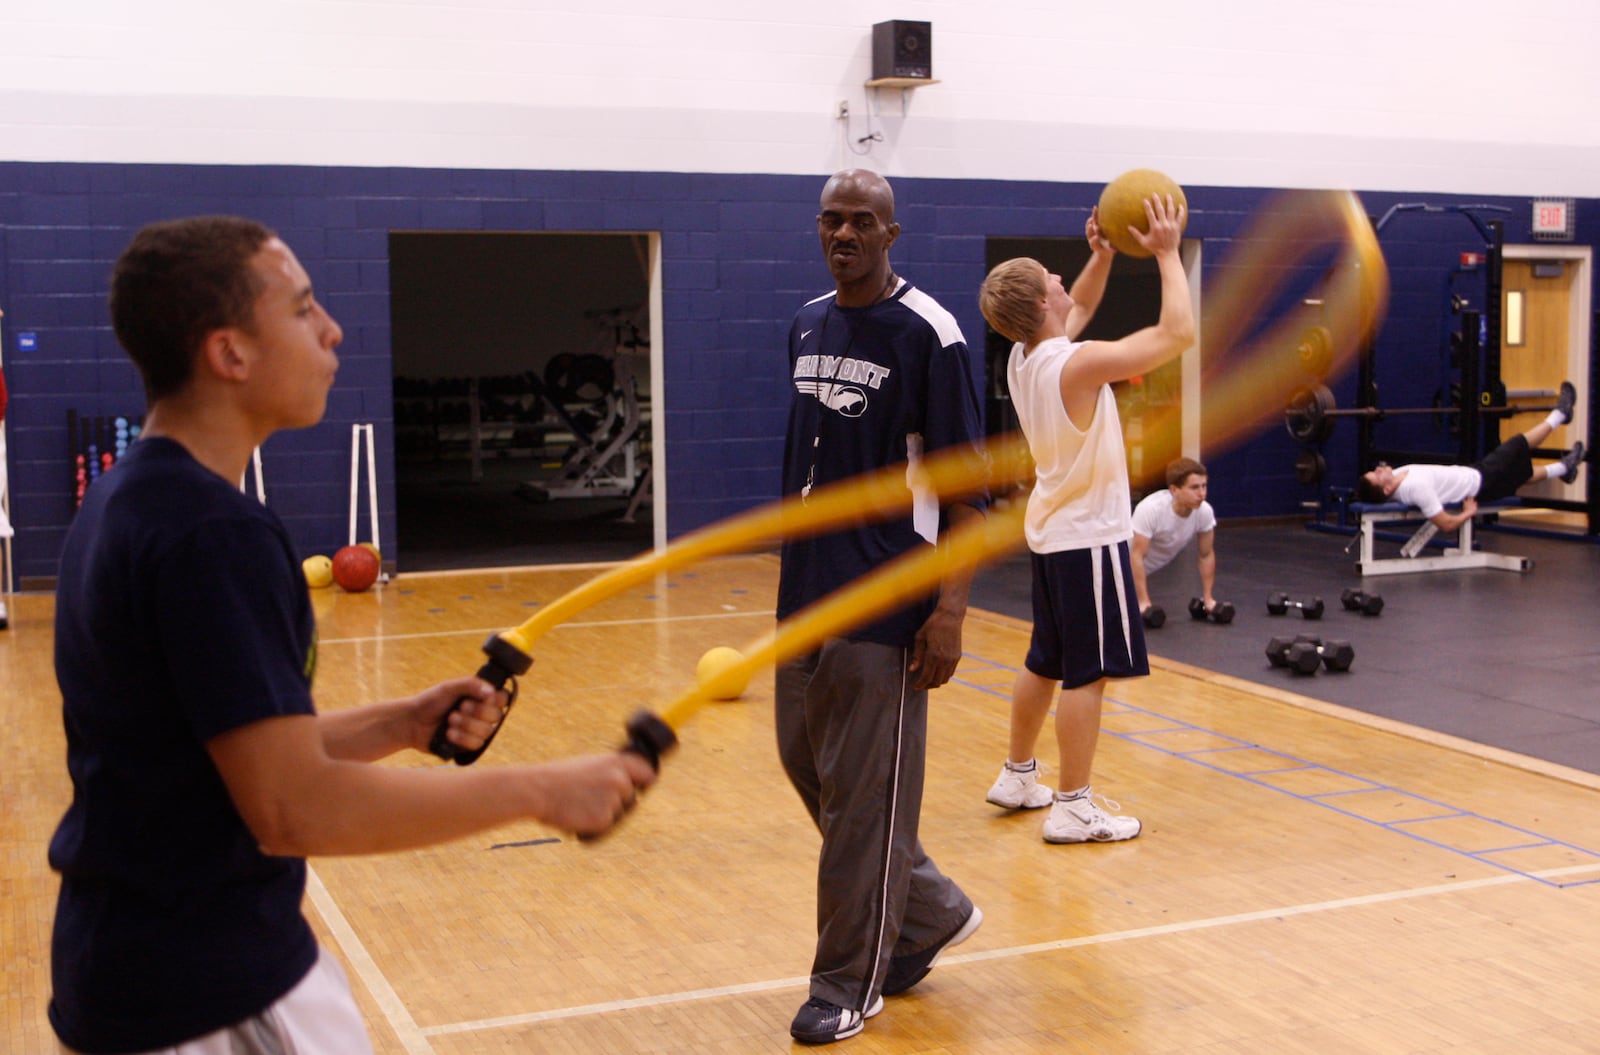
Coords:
1432,487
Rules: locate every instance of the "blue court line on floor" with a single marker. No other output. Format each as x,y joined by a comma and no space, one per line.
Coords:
1323,800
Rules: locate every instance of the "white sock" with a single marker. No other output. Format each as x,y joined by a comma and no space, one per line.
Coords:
1022,767
1067,796
1554,471
1556,419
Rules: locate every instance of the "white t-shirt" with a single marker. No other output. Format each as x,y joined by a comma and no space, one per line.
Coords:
1432,487
1080,491
1167,531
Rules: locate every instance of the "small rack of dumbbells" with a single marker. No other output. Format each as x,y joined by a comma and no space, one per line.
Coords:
98,442
1304,653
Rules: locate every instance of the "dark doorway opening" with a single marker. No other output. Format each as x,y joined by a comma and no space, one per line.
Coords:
522,367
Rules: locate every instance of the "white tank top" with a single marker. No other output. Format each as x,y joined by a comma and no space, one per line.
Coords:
1081,496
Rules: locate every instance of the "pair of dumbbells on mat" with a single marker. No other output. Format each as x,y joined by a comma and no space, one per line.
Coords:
1360,601
1353,600
1221,612
1303,653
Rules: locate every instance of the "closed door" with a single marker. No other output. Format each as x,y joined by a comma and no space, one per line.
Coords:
1535,342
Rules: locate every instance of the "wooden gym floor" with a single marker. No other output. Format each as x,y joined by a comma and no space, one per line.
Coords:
1310,878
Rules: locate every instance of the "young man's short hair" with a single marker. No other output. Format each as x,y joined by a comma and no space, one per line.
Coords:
1180,469
177,281
1012,298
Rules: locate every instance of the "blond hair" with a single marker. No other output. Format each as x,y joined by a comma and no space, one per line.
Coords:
1012,298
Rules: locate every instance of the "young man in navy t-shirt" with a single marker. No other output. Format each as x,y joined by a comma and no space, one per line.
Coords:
185,647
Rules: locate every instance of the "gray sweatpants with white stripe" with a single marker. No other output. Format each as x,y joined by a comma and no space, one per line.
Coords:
853,738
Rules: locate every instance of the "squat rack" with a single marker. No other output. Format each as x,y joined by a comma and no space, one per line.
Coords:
1480,385
1475,433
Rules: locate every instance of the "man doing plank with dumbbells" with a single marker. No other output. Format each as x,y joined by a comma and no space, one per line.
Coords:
1163,524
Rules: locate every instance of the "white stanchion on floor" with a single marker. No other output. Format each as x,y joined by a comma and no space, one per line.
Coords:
7,585
356,434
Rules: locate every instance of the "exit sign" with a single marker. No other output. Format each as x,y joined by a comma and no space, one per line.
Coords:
1553,219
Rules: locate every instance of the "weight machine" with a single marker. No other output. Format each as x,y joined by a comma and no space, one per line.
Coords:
597,399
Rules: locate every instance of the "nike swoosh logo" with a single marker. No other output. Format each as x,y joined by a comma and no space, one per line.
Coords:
804,334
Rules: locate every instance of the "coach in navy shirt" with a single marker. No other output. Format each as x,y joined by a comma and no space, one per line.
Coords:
881,376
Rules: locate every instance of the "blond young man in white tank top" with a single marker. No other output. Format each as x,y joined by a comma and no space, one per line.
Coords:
1078,524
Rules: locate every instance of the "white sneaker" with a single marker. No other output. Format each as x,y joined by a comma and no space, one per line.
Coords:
1020,790
1079,820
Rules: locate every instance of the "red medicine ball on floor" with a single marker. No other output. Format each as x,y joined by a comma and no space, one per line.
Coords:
355,568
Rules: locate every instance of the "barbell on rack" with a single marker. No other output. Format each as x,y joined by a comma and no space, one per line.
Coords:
1311,412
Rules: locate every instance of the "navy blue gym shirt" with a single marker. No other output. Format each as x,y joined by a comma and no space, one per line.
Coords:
181,613
870,385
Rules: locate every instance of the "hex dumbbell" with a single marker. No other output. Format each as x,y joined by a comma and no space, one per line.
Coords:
1360,601
1303,653
1219,612
1279,603
1278,647
1155,617
1303,656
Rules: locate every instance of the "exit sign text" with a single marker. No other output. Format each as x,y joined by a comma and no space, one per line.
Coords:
1552,218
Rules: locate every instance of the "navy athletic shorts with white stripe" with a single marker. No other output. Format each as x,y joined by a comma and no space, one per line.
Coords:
1086,622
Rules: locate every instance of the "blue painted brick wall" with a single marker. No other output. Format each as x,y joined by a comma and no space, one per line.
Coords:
740,254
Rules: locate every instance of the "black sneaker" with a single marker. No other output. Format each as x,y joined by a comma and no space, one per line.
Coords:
1571,460
1567,402
821,1022
906,971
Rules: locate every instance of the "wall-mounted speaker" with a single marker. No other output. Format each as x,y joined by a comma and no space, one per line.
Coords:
902,49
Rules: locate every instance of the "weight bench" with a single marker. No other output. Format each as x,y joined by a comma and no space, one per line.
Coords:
1461,555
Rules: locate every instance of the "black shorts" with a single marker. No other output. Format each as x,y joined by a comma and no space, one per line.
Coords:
1086,622
1505,469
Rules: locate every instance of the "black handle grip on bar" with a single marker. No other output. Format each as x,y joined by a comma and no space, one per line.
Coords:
649,736
505,663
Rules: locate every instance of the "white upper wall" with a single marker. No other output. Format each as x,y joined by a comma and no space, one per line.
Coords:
1463,96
